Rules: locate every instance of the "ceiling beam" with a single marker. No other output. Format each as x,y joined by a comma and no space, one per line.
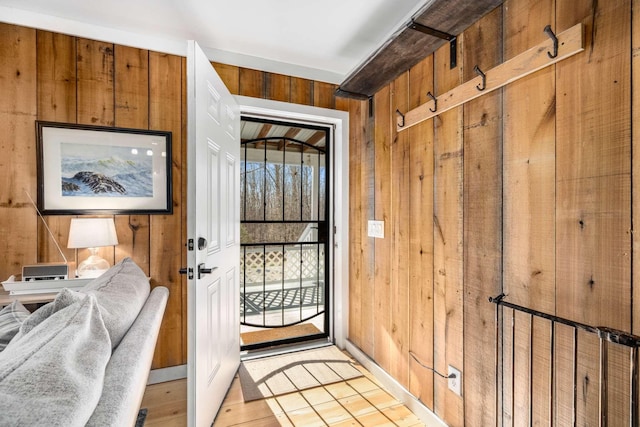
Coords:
407,46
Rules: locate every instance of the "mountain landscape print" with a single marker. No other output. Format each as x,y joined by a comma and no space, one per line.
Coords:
106,171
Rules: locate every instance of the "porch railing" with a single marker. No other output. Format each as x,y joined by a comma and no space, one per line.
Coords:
612,409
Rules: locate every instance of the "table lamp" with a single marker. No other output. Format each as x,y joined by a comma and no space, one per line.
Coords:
92,233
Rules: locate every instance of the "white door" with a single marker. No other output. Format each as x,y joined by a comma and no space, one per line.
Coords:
213,228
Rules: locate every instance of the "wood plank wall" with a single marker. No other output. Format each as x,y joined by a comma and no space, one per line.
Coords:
529,190
50,76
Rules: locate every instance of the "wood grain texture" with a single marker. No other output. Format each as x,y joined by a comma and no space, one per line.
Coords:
522,65
251,83
230,75
18,222
357,219
302,91
594,184
166,253
56,59
448,240
400,234
132,111
635,160
95,100
421,238
593,169
278,87
368,194
324,95
382,278
529,199
482,134
95,75
529,166
407,47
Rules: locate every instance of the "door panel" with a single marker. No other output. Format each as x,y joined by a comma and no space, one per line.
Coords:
212,215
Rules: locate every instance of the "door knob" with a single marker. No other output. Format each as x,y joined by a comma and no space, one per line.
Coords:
202,270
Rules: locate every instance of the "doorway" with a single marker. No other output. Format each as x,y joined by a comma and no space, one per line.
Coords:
284,213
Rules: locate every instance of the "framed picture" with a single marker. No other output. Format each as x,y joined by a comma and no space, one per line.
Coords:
86,169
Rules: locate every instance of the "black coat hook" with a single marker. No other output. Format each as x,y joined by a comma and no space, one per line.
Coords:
484,78
402,116
553,37
435,102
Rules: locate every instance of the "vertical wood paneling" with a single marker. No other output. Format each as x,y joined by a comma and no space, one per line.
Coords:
400,201
56,59
593,255
230,75
529,165
382,277
302,91
132,111
95,100
278,87
482,223
368,194
635,161
251,83
166,247
564,366
448,251
95,83
594,157
324,95
357,284
421,238
529,203
18,222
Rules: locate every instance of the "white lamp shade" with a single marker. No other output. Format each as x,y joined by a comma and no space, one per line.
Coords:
92,233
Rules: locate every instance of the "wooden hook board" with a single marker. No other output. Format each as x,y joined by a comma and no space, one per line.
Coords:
570,42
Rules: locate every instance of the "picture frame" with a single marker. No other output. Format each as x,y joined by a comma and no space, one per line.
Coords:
86,169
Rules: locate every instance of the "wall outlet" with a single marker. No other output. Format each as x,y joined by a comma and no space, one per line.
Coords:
455,383
375,229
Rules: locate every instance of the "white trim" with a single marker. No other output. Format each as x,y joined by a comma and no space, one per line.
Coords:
395,388
339,189
164,44
171,373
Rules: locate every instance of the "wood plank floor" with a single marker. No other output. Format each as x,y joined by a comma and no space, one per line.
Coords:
358,402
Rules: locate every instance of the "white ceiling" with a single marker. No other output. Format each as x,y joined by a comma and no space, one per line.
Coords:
317,39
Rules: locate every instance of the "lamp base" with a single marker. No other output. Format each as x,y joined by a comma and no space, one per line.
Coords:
93,266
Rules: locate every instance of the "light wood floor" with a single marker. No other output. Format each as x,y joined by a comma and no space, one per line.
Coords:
358,402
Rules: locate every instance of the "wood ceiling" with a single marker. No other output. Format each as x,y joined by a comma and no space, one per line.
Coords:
408,46
280,136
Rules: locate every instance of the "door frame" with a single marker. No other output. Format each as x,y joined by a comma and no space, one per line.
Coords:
339,200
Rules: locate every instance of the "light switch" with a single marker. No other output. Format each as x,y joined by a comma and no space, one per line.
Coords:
375,229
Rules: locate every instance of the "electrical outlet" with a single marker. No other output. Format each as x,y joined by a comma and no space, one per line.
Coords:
375,229
455,383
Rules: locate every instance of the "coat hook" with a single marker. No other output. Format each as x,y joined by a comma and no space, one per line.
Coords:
435,102
553,37
401,124
484,78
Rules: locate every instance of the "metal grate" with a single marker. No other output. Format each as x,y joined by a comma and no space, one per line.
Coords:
574,353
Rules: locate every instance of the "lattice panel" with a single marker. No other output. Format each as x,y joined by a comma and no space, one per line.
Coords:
274,265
